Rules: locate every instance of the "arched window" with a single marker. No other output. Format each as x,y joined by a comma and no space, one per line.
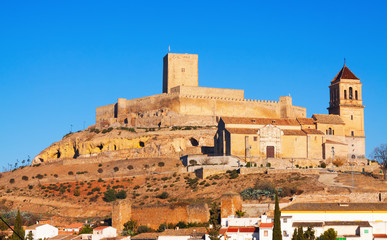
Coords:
350,93
345,94
356,94
330,131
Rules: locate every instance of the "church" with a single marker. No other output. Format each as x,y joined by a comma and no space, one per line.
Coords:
249,128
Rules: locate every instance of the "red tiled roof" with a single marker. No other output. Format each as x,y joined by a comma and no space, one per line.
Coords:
74,225
306,121
101,227
344,73
312,131
328,118
266,225
248,229
293,132
232,229
260,121
380,235
242,130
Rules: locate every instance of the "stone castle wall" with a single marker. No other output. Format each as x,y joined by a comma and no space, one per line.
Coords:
154,216
163,106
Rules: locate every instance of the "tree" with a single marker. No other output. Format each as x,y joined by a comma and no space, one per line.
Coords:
329,234
239,213
109,195
309,234
380,154
277,235
86,229
18,227
295,234
213,230
213,233
130,228
300,233
30,236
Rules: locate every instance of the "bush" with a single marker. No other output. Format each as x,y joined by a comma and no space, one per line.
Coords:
121,194
109,195
100,170
100,180
55,175
100,165
107,130
323,165
233,174
268,164
70,173
11,180
96,189
161,164
77,192
25,178
163,195
130,167
39,176
144,229
115,169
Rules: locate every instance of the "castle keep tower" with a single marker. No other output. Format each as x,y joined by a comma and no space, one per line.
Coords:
346,101
180,70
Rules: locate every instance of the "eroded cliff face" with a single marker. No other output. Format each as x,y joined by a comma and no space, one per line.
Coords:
124,144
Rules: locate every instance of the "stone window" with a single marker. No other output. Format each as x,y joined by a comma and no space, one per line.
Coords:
255,139
345,94
330,131
351,117
356,94
352,133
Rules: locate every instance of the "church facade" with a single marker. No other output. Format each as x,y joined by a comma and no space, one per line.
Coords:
337,136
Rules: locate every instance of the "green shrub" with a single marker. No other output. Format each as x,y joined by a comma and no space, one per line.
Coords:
70,173
100,170
144,229
39,176
109,195
107,130
12,181
161,164
163,195
115,169
121,194
77,192
25,178
323,165
130,167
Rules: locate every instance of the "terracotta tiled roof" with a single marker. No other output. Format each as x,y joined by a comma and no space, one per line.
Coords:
380,235
344,73
101,227
306,121
74,225
183,231
146,236
260,121
248,229
334,142
243,130
266,225
307,224
328,119
232,229
312,131
293,132
348,223
238,229
336,207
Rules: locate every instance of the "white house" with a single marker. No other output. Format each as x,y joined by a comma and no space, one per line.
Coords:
266,231
238,233
182,234
352,221
41,231
74,227
103,232
239,221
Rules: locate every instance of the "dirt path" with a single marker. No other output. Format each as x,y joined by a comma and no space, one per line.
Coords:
329,180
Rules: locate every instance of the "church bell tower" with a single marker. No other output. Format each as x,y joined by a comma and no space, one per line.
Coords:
346,101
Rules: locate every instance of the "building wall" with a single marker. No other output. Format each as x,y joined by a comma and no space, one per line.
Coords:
208,92
293,146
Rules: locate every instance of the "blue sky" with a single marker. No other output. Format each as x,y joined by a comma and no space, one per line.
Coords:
59,60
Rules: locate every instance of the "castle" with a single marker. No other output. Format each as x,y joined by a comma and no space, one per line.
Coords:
249,128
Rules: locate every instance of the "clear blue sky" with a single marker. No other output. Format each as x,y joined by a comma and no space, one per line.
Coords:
59,60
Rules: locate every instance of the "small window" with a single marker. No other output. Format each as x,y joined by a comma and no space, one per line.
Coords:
350,93
345,94
351,117
255,139
352,133
356,94
365,230
266,233
285,221
353,156
330,131
333,132
183,70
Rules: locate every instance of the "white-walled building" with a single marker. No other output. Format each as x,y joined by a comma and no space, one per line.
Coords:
41,231
103,232
239,221
352,221
238,233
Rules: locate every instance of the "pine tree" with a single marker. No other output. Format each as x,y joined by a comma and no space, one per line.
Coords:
30,236
300,233
18,227
295,234
277,235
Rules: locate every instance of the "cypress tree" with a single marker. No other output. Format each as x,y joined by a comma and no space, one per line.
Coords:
300,233
295,234
277,235
18,227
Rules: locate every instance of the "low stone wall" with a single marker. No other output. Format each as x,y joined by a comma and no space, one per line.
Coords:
256,170
352,197
211,170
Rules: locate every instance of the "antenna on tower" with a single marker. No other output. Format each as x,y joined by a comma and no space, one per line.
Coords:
169,48
344,62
